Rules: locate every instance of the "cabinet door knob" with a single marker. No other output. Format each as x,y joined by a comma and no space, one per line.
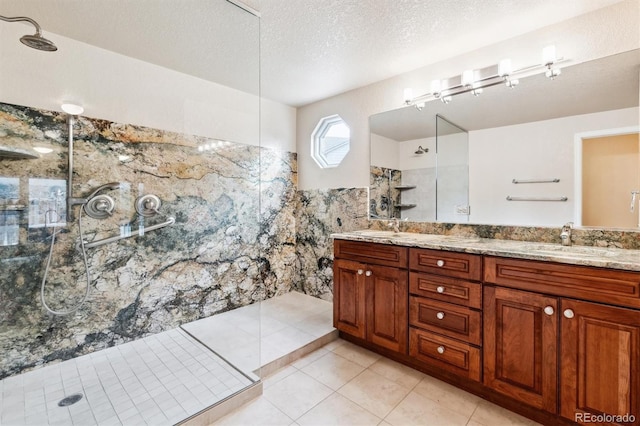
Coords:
440,349
440,289
549,310
360,272
440,263
568,313
368,273
440,315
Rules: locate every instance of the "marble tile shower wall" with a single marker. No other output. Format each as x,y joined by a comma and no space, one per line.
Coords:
220,253
320,213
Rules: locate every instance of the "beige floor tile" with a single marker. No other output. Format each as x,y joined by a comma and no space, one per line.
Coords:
401,374
308,359
335,344
448,396
277,376
417,410
356,354
296,394
374,393
257,412
333,370
489,414
338,410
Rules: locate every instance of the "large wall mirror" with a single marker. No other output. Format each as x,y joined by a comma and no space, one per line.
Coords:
541,154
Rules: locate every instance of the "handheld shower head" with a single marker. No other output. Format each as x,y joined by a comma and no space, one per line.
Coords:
35,41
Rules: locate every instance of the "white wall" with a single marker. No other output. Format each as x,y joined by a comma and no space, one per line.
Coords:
122,89
539,150
601,33
385,153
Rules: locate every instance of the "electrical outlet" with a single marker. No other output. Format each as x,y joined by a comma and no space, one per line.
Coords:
466,210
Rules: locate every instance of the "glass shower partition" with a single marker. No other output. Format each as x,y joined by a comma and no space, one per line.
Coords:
452,181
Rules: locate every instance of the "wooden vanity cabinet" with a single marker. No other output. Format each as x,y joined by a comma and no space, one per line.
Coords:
370,293
445,324
577,358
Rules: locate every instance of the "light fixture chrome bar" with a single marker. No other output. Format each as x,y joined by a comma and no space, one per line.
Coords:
108,240
553,180
488,77
510,198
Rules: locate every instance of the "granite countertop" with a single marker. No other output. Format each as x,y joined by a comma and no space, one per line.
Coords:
628,260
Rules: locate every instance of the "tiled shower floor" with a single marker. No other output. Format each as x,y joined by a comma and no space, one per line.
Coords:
167,377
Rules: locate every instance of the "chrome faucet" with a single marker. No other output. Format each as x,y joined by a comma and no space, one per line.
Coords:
565,235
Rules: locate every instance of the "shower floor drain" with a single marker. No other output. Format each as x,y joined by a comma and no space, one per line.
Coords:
70,400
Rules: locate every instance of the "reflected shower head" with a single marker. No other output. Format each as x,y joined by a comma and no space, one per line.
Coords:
421,150
35,41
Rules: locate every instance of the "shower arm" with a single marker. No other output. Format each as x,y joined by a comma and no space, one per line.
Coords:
25,19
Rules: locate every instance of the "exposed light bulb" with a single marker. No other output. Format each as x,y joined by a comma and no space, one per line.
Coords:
436,87
504,68
467,78
408,95
549,55
511,83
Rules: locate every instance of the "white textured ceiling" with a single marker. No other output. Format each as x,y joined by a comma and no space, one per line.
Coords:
310,49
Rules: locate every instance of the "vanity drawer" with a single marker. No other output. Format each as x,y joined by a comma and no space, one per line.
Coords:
379,254
446,319
611,286
453,290
444,353
451,264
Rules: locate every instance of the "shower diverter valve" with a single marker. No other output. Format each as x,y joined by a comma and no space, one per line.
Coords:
100,207
148,205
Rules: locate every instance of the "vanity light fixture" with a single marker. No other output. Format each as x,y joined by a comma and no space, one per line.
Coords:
474,81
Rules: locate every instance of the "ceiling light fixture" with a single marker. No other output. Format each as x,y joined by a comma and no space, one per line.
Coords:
475,81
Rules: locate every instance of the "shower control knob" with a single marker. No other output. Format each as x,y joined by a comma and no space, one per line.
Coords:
148,205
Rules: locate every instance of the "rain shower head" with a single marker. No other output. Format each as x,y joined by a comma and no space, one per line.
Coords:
35,41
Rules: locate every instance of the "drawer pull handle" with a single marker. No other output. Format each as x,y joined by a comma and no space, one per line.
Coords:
440,315
440,289
360,272
568,313
440,263
549,310
440,349
368,273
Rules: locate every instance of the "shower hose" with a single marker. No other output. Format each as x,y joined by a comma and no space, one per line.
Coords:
46,270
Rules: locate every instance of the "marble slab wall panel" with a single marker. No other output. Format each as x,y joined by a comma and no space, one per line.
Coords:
319,214
383,195
222,252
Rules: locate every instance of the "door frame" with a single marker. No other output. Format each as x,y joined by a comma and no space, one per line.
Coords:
577,143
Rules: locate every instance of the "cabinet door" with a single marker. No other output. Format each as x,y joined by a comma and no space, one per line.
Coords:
387,305
520,345
349,297
600,361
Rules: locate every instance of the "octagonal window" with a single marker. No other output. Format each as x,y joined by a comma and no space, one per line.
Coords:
330,141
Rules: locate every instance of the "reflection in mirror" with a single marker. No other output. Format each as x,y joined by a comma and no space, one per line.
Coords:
530,133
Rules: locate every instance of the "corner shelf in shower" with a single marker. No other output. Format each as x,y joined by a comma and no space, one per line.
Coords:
401,187
405,206
13,208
